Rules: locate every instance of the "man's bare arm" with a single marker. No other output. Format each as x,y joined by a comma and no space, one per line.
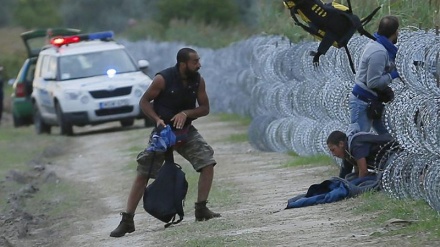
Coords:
202,100
362,167
157,85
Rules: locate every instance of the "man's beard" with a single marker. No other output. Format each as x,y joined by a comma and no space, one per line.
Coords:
191,74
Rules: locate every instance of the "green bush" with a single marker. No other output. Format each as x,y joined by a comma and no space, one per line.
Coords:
222,13
145,30
12,64
200,34
44,13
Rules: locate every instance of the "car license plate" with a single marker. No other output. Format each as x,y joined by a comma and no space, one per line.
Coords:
113,103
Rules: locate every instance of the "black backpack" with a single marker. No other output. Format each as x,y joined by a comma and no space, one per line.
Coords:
332,23
164,198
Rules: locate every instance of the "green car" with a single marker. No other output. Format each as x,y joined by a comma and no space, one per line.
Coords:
34,41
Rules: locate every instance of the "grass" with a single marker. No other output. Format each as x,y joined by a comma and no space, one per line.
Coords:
208,234
240,120
220,194
315,160
215,241
20,146
426,220
55,199
236,138
226,117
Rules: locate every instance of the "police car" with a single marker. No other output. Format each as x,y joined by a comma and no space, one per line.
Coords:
87,79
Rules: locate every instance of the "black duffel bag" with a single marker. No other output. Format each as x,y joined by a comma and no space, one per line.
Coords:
375,109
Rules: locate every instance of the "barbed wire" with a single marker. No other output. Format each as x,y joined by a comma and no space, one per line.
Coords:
294,105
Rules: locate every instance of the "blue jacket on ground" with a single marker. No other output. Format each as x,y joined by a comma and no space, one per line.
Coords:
332,190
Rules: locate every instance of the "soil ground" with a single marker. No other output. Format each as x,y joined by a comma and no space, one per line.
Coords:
249,187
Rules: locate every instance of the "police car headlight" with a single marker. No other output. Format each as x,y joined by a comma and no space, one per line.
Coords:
72,95
85,99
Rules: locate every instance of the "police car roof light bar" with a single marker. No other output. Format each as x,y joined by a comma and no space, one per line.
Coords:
60,40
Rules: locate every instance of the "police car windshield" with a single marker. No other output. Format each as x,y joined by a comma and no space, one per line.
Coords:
108,62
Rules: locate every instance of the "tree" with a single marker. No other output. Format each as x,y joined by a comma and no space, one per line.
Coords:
224,13
37,13
98,15
5,12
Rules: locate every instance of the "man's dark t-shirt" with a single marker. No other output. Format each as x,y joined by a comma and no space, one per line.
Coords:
364,146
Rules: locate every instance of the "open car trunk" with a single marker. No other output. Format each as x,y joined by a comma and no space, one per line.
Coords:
34,40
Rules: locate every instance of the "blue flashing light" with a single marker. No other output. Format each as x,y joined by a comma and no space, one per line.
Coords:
101,35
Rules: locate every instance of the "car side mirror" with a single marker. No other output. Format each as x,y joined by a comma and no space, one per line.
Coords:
143,64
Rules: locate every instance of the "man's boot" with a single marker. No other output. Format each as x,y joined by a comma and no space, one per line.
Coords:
125,226
203,213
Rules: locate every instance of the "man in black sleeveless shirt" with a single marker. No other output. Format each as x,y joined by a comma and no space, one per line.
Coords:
171,100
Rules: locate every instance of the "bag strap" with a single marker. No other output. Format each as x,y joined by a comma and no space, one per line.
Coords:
169,155
365,21
174,221
350,10
350,60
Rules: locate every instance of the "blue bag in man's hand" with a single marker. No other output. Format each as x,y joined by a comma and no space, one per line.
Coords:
162,139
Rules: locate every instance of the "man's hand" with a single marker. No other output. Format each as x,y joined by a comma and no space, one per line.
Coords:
316,56
179,120
160,123
394,74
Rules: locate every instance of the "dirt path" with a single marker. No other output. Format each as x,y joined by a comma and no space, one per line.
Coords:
250,186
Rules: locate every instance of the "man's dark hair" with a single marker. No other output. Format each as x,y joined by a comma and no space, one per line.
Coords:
335,137
388,26
183,55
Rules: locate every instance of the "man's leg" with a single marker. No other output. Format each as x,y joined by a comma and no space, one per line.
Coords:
136,193
379,127
205,182
127,224
201,156
358,114
149,164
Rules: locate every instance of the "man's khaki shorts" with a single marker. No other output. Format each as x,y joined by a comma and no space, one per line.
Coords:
195,149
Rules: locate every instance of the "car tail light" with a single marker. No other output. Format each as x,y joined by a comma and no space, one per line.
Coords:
60,40
20,90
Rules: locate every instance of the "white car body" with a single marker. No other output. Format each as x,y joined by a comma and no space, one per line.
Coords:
106,86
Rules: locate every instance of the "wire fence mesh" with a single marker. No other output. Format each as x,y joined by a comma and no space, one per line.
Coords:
294,106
